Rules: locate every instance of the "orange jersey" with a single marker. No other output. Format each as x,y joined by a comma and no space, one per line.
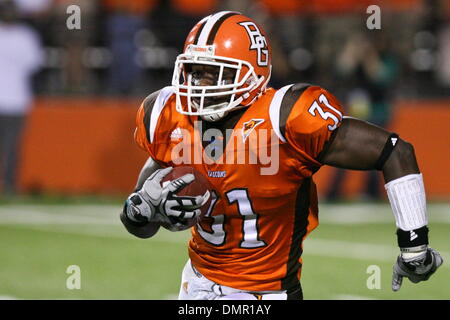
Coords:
265,202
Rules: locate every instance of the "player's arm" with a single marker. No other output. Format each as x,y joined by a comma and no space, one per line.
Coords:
152,205
139,225
359,145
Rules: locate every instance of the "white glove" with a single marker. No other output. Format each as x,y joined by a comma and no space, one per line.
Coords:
157,203
415,266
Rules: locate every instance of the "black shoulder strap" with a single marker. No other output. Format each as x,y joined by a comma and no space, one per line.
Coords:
290,98
149,102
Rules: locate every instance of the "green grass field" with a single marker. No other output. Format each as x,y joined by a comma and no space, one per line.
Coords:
38,242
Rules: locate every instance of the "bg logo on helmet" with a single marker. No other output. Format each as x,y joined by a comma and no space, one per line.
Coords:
258,42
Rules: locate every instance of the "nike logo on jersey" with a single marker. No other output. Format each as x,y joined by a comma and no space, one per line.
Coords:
249,126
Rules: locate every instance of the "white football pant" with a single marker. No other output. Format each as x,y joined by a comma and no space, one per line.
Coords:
194,286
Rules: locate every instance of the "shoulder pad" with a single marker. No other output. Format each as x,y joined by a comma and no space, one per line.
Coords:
148,104
282,104
153,105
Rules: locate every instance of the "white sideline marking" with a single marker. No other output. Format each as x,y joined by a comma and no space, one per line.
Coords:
60,215
108,214
375,213
347,249
357,250
96,231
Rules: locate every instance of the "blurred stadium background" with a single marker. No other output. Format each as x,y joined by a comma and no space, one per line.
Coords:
76,160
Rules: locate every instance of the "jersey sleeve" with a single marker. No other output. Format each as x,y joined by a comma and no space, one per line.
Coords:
141,131
150,134
311,123
143,119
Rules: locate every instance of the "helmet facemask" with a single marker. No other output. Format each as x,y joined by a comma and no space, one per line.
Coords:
212,102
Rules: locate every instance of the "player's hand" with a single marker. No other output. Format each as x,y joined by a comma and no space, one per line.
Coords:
155,203
418,268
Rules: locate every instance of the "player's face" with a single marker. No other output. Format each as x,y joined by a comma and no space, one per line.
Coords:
207,75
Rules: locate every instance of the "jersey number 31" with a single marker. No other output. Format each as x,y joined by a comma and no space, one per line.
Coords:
337,117
217,235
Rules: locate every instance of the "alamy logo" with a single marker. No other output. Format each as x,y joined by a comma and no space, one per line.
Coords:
73,21
74,279
258,42
374,280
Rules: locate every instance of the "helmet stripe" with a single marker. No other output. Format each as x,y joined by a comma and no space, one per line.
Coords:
216,27
209,25
202,24
198,32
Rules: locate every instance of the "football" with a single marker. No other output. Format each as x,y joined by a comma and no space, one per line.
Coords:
198,187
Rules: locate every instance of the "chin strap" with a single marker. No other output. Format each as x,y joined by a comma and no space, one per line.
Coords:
218,116
214,117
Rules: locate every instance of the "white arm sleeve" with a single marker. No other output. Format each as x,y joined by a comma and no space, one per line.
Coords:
408,201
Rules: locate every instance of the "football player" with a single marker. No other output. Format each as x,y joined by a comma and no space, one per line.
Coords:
250,243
